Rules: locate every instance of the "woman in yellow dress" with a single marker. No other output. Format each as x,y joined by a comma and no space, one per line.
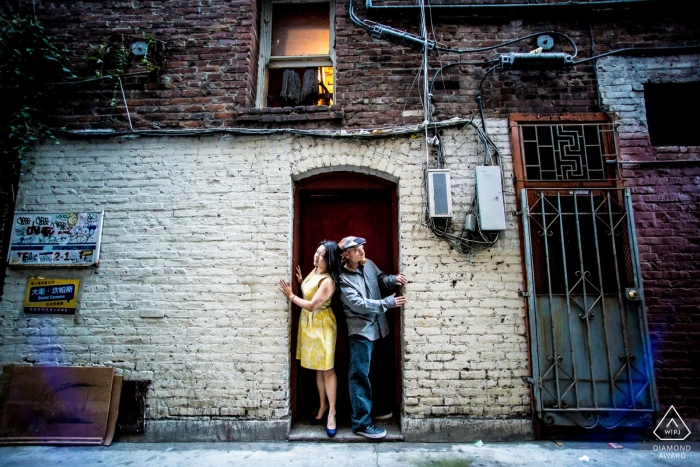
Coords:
317,326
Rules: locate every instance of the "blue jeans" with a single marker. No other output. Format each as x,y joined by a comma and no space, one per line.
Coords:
358,380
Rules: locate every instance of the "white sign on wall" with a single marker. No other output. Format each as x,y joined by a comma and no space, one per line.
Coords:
63,239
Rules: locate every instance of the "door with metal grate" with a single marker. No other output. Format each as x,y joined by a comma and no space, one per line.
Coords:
591,359
589,340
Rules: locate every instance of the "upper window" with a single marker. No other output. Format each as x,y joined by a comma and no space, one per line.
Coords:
563,149
671,113
296,53
567,151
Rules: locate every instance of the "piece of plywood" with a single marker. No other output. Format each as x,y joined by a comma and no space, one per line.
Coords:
57,405
113,409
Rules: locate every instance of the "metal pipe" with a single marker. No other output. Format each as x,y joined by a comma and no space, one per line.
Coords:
532,303
501,7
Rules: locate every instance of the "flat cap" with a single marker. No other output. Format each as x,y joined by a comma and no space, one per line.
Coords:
351,242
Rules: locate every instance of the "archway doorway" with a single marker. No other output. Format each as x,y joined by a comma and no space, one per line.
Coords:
332,206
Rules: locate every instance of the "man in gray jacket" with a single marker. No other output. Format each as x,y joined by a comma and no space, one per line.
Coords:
365,311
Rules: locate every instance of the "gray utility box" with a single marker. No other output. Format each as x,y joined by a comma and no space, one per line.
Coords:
439,193
489,195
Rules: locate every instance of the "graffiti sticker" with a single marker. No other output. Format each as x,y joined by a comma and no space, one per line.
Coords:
65,239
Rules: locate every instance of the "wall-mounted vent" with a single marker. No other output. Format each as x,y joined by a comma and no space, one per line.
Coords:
489,193
439,193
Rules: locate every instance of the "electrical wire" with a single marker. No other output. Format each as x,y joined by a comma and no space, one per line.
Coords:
481,107
449,65
100,78
641,50
365,134
503,44
464,241
426,92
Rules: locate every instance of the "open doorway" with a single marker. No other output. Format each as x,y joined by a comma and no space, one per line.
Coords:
332,206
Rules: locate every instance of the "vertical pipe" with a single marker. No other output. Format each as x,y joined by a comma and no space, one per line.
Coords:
426,91
532,302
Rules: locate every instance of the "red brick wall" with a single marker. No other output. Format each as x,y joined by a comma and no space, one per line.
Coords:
667,215
210,71
212,53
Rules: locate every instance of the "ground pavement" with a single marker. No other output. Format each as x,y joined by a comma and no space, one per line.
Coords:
385,454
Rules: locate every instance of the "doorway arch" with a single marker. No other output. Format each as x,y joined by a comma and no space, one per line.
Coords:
332,205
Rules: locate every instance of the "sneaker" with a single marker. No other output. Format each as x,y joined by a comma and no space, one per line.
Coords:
372,431
386,416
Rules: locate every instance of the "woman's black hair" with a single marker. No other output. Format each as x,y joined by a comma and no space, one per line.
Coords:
332,259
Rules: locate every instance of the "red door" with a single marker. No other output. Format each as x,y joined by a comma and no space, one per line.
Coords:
333,206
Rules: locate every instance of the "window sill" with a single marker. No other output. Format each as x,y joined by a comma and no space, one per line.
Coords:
290,114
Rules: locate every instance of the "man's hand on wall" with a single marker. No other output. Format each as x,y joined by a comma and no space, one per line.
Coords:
401,279
400,301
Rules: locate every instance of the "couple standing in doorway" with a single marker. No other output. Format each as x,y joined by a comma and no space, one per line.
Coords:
344,267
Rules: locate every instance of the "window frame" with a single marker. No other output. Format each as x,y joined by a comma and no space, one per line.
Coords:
266,61
521,180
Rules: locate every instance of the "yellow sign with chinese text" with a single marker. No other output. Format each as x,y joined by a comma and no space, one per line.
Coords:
51,296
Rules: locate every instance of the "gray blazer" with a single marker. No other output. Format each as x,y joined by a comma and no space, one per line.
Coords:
363,304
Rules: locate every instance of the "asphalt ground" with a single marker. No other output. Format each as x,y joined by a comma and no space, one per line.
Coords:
383,454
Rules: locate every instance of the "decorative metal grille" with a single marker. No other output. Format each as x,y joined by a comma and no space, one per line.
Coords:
563,225
567,151
591,358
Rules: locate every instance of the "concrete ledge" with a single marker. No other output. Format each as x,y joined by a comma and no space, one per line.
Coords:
158,431
458,430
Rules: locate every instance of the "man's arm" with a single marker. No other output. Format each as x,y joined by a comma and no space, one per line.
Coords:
387,281
351,297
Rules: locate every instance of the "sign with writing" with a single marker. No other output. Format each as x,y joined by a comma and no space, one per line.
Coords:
44,239
51,296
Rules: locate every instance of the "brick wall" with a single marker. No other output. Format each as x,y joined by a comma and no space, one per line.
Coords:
209,78
210,69
197,232
666,194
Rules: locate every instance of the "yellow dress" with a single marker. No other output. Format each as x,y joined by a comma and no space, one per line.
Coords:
317,330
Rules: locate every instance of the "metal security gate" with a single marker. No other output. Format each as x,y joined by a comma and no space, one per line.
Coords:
591,360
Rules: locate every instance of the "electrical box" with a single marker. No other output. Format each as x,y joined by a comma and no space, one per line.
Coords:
489,195
439,193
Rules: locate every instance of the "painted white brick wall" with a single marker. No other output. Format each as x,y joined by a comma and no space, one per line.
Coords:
198,231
